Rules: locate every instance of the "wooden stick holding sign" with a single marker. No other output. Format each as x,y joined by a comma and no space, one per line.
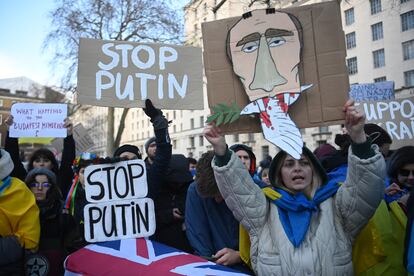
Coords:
38,120
119,208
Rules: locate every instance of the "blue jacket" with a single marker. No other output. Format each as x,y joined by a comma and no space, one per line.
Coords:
211,226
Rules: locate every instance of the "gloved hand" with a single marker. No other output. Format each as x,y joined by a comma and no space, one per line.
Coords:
156,116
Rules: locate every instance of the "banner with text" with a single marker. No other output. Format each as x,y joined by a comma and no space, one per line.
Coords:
124,74
38,120
118,206
378,91
395,116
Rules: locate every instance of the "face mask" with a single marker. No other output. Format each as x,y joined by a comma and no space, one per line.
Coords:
193,171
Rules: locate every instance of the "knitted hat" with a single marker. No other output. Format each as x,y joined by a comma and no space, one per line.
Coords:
128,148
37,171
238,147
6,164
148,143
377,134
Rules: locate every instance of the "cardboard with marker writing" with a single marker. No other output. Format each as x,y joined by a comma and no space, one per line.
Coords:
395,116
118,205
322,65
124,74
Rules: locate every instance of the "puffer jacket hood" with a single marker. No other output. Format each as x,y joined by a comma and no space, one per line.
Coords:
312,158
237,147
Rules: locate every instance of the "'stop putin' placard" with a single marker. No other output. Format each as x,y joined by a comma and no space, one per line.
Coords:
125,74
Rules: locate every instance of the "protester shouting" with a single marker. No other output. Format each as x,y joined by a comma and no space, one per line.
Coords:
309,227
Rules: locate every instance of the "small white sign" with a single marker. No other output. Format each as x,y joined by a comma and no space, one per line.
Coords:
118,181
38,120
378,91
116,220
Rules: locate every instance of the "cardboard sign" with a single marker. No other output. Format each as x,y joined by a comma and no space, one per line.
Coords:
118,181
395,116
38,120
322,65
378,91
83,139
124,74
116,220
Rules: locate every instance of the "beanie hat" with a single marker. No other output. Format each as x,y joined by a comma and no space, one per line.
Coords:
36,171
377,134
128,148
6,164
237,147
148,143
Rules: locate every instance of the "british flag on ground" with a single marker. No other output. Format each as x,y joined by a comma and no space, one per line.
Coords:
139,257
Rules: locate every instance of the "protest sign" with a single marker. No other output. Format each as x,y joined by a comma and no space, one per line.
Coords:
118,208
118,181
122,219
124,74
83,139
322,65
395,116
378,91
38,120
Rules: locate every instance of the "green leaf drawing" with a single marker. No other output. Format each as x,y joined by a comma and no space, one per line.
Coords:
224,114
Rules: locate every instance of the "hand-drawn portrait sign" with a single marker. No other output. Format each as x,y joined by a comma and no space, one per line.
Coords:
272,59
118,207
38,120
124,74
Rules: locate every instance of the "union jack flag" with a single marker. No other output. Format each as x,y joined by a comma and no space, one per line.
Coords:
139,257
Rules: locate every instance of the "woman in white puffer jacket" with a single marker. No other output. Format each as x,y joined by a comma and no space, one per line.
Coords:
310,229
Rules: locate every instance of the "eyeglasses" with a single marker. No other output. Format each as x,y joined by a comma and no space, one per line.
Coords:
37,185
404,172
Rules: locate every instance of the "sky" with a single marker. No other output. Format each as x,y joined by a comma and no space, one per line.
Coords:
24,26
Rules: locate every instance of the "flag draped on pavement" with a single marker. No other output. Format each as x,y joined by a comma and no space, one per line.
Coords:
139,257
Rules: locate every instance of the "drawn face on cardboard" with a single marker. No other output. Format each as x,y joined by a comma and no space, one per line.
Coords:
265,51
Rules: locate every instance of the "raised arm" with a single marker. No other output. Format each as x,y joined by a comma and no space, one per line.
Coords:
359,197
12,147
68,155
164,149
243,197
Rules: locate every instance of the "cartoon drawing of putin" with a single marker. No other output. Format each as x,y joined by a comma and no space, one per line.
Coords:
264,47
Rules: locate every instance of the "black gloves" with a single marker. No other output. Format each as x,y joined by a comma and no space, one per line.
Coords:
155,114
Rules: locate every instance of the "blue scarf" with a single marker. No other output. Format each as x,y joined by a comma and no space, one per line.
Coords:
295,211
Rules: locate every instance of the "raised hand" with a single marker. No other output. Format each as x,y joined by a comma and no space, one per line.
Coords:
9,121
354,122
216,139
151,110
68,125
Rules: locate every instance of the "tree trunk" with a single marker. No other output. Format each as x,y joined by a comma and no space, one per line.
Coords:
110,132
120,128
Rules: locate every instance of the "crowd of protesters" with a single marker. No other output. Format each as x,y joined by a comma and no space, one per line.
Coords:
345,211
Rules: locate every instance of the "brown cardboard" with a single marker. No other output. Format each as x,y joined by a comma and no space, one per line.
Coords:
395,116
323,56
188,63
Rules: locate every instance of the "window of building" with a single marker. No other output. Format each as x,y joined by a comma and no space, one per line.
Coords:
1,120
323,129
174,114
251,137
21,93
407,21
1,102
409,78
265,151
404,1
380,79
349,16
408,50
192,123
350,40
321,142
174,144
201,121
352,65
377,31
192,144
236,137
201,140
375,6
379,58
174,129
